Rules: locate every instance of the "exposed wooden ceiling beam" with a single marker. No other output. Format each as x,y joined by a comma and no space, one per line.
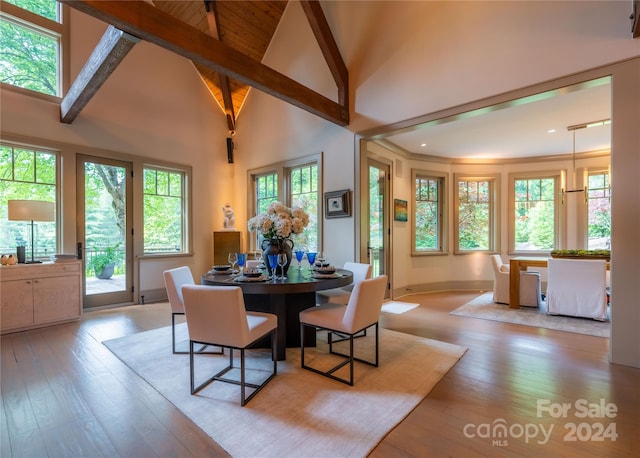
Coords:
225,87
329,48
105,58
146,22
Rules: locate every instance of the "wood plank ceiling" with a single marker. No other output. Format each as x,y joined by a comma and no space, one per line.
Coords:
245,27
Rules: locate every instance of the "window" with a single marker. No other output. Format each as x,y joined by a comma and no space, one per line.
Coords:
296,184
165,211
32,39
535,218
266,191
476,214
303,185
429,214
27,174
599,211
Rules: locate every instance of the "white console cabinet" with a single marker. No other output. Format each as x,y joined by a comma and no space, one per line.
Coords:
36,295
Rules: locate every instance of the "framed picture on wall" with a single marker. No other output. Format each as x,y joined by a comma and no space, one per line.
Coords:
337,204
399,210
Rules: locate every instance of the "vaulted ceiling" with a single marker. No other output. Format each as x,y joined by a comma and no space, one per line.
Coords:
225,40
246,26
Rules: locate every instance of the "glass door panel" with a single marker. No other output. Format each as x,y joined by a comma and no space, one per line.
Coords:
104,230
378,218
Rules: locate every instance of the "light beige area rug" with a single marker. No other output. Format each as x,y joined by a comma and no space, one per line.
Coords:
299,413
397,307
484,308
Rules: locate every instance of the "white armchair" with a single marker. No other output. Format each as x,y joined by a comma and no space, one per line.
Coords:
577,287
530,289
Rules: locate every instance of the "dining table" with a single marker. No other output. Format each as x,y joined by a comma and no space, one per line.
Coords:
285,298
518,264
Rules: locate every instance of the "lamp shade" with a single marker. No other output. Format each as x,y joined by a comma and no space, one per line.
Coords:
30,210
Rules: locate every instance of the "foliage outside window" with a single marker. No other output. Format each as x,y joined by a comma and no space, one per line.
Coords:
535,222
599,211
27,174
266,191
31,43
295,184
475,214
303,185
429,214
164,211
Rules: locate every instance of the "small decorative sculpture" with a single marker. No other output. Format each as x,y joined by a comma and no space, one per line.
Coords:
229,218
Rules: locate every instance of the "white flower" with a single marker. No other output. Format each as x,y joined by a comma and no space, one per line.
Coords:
279,221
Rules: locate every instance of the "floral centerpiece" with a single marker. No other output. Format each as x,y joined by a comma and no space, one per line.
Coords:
276,226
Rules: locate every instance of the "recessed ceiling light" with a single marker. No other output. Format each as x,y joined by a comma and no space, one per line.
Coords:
424,145
551,131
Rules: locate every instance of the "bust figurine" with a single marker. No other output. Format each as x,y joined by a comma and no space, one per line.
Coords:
229,218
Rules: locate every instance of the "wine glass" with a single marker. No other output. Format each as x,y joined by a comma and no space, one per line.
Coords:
311,257
273,263
299,256
232,260
241,259
282,261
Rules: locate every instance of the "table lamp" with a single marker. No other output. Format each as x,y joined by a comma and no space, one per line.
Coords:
31,210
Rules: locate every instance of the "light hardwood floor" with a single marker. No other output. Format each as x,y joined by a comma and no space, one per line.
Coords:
65,394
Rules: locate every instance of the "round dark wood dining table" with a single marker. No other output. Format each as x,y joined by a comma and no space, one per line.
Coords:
284,298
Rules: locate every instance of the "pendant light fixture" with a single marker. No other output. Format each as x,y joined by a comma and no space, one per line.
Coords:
573,129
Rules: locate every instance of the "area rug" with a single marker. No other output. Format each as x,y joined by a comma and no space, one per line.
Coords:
299,413
484,308
398,308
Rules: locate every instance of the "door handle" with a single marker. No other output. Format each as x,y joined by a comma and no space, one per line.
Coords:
79,252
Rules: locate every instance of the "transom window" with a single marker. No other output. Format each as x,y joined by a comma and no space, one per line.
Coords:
27,174
32,39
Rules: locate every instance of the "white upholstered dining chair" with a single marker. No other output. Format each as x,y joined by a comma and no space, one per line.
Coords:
361,312
216,315
341,295
530,287
174,280
577,287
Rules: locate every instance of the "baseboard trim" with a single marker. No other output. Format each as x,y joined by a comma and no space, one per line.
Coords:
476,285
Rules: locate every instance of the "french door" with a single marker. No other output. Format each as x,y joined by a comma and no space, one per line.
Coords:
104,229
376,217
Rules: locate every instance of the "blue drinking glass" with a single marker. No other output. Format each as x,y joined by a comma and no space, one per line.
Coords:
299,256
311,257
241,258
273,263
